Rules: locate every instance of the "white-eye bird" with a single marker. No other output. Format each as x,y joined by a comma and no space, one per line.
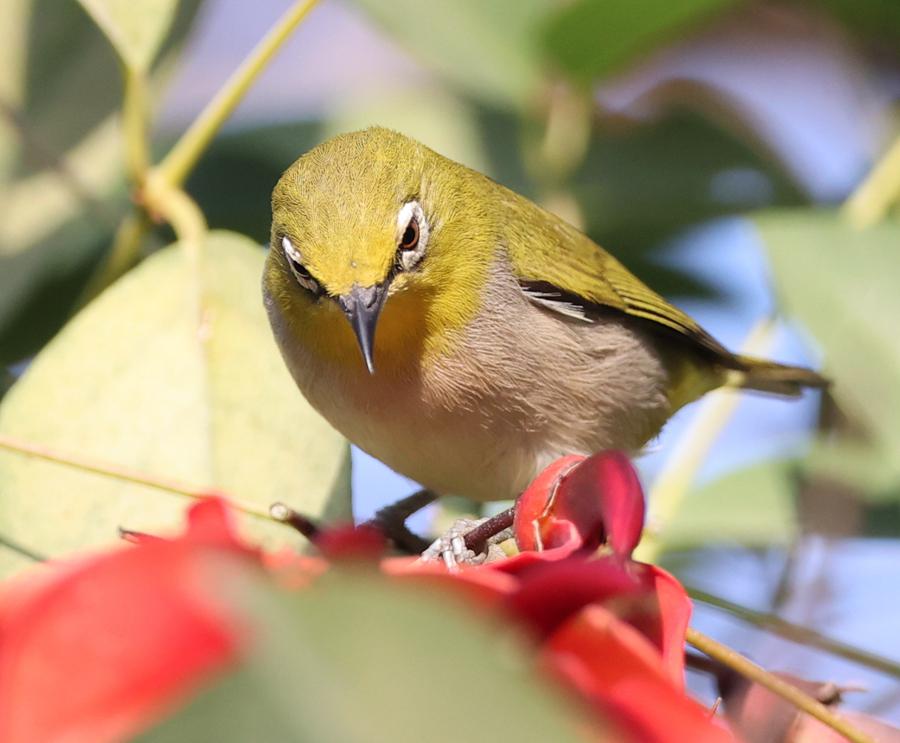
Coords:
463,335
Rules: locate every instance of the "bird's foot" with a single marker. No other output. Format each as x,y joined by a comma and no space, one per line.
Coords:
471,542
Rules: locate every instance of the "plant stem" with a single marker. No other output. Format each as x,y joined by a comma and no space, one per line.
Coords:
134,124
774,684
178,209
181,159
797,633
873,197
674,481
125,474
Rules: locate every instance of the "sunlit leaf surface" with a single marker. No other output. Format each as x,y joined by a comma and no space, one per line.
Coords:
177,375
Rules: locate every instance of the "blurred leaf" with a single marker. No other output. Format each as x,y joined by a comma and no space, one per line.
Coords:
871,18
67,80
62,188
841,283
357,659
751,507
486,48
136,28
591,38
233,182
642,184
177,376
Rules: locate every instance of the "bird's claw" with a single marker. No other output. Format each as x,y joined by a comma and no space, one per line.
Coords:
450,548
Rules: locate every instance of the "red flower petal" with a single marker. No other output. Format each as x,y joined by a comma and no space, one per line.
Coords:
95,649
582,503
551,593
614,666
533,506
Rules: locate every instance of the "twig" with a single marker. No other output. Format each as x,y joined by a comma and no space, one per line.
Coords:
125,474
134,124
873,197
477,537
391,521
797,633
790,693
284,514
181,159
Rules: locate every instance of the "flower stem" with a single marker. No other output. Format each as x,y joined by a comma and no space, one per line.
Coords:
125,474
790,693
675,480
181,159
797,633
134,125
874,196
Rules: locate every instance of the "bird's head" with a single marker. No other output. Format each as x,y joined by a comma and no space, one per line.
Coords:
373,231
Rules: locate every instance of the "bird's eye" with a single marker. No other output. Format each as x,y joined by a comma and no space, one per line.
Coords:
412,228
301,273
410,238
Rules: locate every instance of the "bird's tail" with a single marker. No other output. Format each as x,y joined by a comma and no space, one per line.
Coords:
767,376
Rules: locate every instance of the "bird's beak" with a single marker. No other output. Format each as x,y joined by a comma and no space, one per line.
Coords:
362,306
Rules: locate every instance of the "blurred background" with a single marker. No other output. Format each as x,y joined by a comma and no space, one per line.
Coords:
709,144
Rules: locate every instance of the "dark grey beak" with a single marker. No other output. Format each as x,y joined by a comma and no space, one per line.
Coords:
362,306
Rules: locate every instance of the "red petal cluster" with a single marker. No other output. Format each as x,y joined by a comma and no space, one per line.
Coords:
117,639
610,627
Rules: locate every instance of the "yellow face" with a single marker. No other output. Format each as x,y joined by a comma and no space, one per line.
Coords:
371,232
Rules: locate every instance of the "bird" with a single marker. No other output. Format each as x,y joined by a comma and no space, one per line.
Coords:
466,337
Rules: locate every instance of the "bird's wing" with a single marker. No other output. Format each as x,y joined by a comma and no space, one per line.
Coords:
562,269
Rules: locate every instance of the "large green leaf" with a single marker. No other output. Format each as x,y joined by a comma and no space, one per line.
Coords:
752,507
487,48
357,659
174,374
136,28
841,283
591,38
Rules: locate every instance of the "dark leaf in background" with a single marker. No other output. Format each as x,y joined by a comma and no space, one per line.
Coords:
233,182
643,183
589,39
877,20
488,49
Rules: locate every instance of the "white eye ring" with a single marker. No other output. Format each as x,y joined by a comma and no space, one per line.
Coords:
295,261
407,259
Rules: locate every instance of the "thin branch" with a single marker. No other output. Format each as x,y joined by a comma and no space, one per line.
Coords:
674,482
871,200
391,521
125,474
797,633
284,514
790,693
477,538
135,112
179,162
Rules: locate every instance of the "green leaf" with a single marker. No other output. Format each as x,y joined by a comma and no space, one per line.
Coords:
356,659
176,375
62,188
751,507
486,48
592,38
136,28
841,283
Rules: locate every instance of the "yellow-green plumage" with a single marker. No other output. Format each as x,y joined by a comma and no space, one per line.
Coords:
506,337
